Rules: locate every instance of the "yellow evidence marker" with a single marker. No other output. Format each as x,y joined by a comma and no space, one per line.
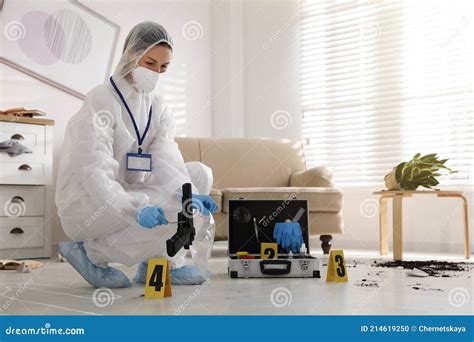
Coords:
337,267
158,279
268,250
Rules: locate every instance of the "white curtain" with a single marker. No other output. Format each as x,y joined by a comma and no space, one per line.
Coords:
383,80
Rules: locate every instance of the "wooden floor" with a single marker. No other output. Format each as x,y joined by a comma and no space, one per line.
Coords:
57,289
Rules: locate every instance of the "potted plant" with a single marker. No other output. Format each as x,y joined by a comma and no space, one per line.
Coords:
419,171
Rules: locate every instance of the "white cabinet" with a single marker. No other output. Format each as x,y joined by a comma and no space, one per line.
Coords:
26,196
27,168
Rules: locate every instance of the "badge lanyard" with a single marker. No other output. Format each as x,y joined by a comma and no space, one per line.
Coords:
136,161
140,138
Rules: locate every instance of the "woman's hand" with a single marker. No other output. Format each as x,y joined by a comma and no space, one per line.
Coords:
150,217
204,204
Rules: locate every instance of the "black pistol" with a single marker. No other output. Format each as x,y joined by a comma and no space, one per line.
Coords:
185,234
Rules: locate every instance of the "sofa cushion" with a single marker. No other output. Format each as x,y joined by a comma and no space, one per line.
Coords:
261,162
189,148
217,197
315,176
327,200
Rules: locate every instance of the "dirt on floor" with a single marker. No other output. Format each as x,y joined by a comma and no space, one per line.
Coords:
434,268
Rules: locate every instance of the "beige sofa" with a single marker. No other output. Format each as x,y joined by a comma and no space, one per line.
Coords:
267,169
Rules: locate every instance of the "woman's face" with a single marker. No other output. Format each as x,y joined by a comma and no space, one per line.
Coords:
157,58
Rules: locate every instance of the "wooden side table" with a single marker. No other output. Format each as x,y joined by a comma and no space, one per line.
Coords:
397,198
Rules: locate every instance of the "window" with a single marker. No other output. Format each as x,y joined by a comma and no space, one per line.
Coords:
381,81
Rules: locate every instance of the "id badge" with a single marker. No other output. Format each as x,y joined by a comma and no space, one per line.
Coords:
139,162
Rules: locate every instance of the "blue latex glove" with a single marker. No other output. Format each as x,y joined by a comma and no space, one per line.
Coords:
97,276
289,236
204,204
150,217
186,275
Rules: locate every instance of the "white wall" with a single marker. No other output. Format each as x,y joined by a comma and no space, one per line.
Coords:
189,73
270,69
255,65
227,58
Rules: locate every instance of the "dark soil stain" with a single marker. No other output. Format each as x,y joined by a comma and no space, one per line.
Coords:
434,268
366,283
421,287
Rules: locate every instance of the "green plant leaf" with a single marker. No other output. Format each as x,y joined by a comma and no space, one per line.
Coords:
425,165
429,156
406,169
420,171
398,171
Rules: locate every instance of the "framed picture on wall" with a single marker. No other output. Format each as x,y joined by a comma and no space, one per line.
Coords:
64,44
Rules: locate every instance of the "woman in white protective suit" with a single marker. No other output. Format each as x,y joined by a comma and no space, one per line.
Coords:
121,173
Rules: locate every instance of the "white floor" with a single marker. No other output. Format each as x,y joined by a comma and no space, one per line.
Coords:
57,289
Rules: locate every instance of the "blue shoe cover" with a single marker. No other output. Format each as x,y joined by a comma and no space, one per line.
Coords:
140,277
186,275
75,253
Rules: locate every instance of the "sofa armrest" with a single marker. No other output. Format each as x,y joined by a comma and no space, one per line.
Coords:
216,195
313,177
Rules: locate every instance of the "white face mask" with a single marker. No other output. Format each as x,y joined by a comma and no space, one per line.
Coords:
145,79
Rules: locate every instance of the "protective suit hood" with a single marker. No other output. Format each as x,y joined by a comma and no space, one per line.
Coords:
141,38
